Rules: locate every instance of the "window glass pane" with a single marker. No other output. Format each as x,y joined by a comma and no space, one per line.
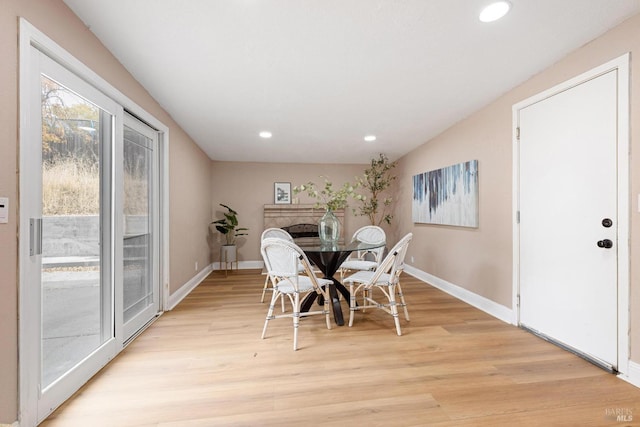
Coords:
138,280
73,301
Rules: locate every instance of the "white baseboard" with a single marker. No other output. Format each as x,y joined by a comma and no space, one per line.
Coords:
15,424
500,312
496,310
633,376
242,265
180,294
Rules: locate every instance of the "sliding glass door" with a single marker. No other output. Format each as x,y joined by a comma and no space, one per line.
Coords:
90,233
140,251
70,228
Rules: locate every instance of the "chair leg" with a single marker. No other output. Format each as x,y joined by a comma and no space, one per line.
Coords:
296,323
327,311
366,293
403,302
296,320
352,304
272,305
264,288
394,308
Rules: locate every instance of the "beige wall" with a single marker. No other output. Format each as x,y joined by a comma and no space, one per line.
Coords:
8,232
189,211
477,259
480,260
247,187
190,182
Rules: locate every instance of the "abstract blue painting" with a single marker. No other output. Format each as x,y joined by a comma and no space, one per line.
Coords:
447,196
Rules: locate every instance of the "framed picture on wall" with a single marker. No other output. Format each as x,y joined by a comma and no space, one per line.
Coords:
447,196
282,193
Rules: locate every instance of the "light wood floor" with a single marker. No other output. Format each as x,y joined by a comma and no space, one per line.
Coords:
204,364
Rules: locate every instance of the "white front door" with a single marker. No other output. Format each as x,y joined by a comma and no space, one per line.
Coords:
569,218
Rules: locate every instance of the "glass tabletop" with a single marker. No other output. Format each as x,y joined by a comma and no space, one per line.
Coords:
341,247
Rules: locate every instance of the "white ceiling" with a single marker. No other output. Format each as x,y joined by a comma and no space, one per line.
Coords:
322,74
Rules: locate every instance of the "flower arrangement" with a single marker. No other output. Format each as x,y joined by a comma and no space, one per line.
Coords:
328,197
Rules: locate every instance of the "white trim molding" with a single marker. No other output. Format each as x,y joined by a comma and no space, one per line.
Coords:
241,265
633,374
492,308
175,298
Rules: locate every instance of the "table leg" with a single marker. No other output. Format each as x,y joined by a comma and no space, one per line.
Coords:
329,262
308,301
335,301
337,308
342,289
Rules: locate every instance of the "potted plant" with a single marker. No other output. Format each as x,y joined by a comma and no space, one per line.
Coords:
376,180
228,226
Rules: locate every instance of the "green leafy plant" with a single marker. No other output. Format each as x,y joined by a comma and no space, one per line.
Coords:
328,197
377,179
228,226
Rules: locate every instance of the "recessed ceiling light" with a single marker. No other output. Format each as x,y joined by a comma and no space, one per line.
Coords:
495,11
370,138
265,134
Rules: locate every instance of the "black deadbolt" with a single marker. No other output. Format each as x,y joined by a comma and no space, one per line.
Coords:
606,243
606,223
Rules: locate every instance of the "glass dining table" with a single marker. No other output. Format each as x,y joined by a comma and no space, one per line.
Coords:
328,258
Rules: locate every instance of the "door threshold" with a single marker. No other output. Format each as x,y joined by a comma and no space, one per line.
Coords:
142,329
594,361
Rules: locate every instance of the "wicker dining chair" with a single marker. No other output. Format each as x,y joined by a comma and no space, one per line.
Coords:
275,233
386,278
359,260
282,259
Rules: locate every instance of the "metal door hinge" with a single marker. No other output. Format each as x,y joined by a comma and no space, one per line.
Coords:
517,217
518,133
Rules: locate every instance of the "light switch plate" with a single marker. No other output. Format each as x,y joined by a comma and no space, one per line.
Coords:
4,210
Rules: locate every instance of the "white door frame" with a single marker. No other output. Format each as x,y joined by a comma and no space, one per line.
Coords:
621,64
30,37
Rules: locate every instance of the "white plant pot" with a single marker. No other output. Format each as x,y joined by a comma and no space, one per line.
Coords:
228,253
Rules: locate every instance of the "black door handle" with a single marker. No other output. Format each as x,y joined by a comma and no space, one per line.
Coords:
606,243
